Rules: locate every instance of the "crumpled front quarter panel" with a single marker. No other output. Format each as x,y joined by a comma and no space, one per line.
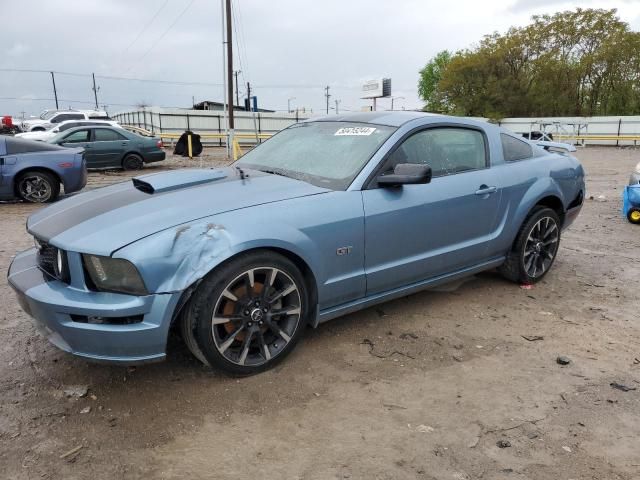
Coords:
312,228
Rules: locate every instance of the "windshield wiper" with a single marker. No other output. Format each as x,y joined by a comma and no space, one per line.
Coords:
273,172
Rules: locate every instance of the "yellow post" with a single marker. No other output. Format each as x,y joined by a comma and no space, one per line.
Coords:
189,147
237,151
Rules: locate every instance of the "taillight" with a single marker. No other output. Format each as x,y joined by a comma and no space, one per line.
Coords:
159,144
65,165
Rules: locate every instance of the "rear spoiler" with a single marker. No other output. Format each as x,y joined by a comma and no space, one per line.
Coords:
554,146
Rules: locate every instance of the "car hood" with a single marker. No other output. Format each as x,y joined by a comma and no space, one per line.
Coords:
106,219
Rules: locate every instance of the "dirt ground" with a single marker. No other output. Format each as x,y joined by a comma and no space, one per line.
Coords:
424,387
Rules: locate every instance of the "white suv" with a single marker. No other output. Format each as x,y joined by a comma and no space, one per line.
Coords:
49,119
45,135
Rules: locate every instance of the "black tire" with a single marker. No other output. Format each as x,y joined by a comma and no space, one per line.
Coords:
132,161
255,327
535,247
633,215
37,187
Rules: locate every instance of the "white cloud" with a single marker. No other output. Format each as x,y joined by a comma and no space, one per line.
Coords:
282,43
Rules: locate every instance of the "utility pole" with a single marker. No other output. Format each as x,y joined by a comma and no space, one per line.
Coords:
337,103
327,95
394,98
95,89
230,70
55,92
289,104
237,87
253,113
224,78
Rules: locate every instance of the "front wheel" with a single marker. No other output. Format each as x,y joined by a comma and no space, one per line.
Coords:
247,315
37,187
535,248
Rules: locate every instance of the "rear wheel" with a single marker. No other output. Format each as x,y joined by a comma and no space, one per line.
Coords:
132,161
633,215
37,187
535,248
247,315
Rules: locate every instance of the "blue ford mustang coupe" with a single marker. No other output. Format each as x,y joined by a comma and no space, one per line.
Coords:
328,217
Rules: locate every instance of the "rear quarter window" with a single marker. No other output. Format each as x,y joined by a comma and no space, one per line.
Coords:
514,149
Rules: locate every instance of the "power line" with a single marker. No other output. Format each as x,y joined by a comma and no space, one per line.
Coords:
240,40
175,82
81,102
144,29
163,34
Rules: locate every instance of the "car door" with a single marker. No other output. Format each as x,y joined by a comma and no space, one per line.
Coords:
80,138
416,232
109,146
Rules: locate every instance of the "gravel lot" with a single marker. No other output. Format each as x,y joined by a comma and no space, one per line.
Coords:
423,387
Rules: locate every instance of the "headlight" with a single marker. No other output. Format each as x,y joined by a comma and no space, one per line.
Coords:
114,275
638,168
59,262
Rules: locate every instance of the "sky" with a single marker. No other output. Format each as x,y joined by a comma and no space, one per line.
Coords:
288,49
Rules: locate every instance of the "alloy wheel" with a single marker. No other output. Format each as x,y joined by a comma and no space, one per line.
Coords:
541,247
34,188
256,316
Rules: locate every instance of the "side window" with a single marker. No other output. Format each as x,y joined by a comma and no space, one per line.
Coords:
106,135
514,149
67,116
77,137
446,150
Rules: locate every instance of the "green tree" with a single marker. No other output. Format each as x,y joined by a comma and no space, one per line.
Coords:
430,78
574,63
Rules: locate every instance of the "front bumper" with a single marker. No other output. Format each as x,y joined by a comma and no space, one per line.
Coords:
52,303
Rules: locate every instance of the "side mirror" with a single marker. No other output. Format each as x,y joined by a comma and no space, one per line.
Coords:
406,174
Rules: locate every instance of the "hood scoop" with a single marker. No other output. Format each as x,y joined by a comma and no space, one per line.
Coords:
168,181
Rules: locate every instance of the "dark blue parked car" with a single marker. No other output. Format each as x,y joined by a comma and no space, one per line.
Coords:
33,171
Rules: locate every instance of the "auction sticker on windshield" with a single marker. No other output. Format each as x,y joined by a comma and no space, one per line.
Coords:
355,131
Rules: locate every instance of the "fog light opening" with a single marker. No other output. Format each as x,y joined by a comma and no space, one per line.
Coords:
96,320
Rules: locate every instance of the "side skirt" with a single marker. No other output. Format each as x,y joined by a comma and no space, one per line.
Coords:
354,306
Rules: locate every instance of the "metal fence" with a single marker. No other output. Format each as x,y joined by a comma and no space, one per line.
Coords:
615,131
208,123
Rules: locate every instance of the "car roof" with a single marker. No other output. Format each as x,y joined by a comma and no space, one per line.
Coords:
393,118
88,121
84,127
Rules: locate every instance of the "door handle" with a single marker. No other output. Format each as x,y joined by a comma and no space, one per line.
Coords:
484,190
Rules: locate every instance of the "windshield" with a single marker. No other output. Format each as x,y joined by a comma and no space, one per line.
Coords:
47,115
326,154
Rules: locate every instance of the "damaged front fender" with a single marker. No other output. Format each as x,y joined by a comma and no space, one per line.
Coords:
174,259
